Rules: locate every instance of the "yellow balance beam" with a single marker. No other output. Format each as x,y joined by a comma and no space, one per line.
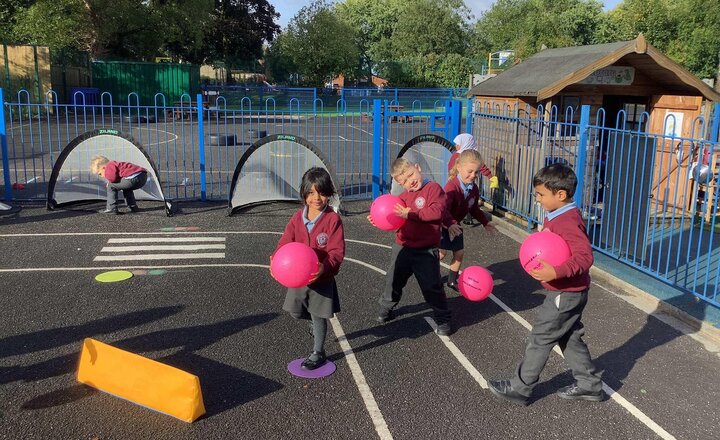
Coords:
140,380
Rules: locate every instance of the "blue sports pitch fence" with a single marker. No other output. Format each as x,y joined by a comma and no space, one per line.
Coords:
650,200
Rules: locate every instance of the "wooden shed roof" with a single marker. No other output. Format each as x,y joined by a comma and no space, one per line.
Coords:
548,72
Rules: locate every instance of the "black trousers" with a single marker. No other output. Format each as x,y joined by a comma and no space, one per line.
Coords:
557,322
127,186
425,265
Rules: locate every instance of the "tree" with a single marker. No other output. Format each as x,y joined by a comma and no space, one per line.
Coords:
186,24
57,24
279,64
653,18
430,26
526,25
697,44
374,23
319,44
238,29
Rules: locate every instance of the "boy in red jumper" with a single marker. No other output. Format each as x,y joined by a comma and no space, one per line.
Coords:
121,176
566,288
463,198
318,226
415,251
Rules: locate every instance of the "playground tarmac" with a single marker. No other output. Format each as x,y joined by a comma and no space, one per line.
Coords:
217,314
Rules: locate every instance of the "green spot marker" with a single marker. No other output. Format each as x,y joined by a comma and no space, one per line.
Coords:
156,272
114,276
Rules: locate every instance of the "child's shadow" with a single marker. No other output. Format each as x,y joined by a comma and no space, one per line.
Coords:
513,288
617,363
406,325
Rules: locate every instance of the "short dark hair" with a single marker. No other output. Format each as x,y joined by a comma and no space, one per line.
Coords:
320,179
556,177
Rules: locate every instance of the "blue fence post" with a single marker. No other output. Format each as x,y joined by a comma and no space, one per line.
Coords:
582,155
314,99
3,145
397,98
456,119
201,148
714,131
468,116
377,151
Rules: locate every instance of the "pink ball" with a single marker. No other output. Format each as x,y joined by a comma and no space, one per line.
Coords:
543,245
383,215
475,283
294,264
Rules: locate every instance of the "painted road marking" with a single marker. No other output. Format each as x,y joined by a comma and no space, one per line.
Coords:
184,244
164,239
163,247
158,257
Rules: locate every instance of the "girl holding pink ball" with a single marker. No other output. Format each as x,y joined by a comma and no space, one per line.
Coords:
320,228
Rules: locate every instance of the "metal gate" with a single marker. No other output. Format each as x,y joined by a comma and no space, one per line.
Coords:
394,126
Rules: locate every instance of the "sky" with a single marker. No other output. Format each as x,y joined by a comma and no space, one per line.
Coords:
288,8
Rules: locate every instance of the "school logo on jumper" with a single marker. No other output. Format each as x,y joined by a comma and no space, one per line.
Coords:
322,239
420,202
471,201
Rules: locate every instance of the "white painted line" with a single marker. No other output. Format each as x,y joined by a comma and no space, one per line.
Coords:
647,421
367,396
157,257
370,243
164,239
73,234
163,247
165,266
459,356
32,180
369,266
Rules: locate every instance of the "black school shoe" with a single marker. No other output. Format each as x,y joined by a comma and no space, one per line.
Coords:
385,315
574,392
134,208
504,390
443,329
453,285
315,360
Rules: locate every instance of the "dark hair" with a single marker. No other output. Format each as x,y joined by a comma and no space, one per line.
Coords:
320,179
556,177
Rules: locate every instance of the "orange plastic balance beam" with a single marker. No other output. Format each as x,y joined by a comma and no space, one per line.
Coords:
140,380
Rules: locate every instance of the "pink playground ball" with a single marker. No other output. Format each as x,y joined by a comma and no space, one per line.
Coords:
294,264
383,215
475,283
546,246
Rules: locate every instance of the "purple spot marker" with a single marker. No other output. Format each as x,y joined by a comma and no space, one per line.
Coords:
324,370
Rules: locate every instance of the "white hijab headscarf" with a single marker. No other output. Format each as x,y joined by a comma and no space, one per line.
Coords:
466,141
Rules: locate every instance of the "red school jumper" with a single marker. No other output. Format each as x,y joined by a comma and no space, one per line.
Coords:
574,274
422,228
114,171
458,206
327,239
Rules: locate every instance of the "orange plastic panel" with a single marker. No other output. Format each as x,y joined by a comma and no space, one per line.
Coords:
140,380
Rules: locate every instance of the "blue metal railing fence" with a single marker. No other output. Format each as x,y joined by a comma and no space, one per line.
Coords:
650,200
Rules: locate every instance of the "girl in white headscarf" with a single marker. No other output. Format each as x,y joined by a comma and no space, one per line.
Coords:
466,141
